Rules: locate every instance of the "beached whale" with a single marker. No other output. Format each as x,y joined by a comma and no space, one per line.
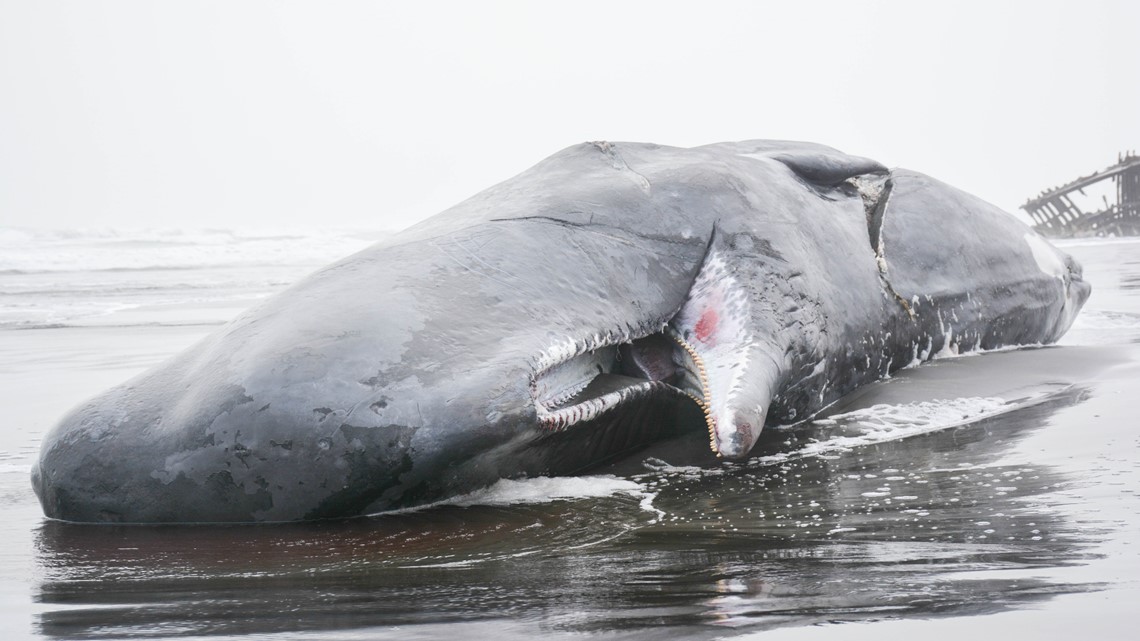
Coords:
613,295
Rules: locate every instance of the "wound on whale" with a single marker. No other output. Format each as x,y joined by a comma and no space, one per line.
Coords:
613,295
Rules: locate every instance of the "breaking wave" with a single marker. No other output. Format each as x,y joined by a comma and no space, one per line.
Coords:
24,251
60,278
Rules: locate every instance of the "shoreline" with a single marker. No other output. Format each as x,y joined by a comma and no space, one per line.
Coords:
417,570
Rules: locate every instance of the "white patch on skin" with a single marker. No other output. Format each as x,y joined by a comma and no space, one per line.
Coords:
819,368
949,348
919,356
756,156
1048,258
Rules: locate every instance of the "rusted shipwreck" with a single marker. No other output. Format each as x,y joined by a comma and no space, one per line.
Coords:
1056,212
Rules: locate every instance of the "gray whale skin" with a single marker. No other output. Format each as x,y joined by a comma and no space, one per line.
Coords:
613,295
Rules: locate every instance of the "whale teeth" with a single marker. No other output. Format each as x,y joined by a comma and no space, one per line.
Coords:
705,402
563,418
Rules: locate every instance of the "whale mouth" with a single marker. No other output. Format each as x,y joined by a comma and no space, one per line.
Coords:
596,379
605,381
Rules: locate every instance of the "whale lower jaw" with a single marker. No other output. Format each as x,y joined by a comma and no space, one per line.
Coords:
700,356
665,368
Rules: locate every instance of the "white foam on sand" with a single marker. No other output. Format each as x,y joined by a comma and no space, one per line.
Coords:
1094,242
1097,319
545,490
542,489
884,422
866,426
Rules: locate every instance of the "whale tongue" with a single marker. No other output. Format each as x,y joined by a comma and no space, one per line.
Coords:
650,358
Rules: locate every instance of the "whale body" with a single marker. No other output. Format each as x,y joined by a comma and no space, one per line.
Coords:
613,295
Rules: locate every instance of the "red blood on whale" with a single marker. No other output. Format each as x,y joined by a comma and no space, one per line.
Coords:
707,325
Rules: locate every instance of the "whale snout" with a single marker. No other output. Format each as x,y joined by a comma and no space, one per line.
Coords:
79,475
258,445
123,459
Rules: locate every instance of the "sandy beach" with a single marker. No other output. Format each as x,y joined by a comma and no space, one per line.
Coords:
990,495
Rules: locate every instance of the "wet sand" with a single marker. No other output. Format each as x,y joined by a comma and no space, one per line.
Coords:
44,372
896,519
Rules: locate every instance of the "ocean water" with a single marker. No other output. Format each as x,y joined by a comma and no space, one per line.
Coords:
982,494
71,278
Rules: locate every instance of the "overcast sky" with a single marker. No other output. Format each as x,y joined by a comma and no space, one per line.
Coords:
378,114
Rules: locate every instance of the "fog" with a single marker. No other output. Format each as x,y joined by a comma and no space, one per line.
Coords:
375,115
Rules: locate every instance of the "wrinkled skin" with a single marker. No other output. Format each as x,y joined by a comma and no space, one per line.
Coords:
610,296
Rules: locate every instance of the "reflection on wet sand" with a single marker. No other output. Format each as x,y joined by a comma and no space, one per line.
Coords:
936,523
